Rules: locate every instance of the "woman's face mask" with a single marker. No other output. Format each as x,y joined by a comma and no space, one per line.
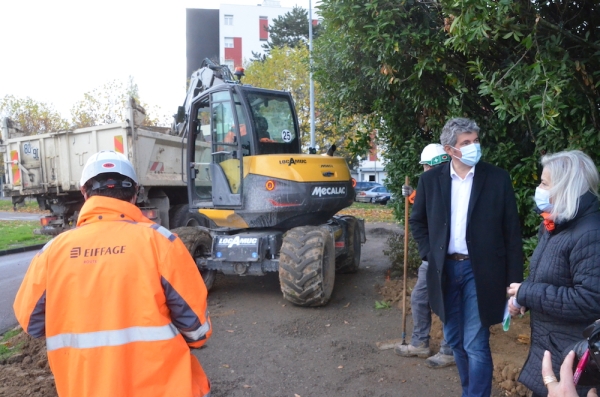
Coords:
542,199
542,192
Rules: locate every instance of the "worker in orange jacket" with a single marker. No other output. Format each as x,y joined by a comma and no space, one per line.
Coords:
119,298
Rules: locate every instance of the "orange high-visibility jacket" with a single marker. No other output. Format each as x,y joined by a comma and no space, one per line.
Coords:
120,301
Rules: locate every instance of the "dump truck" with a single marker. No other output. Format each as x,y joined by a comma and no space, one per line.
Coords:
47,167
230,178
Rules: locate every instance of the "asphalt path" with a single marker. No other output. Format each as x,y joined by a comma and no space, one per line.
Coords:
12,270
18,216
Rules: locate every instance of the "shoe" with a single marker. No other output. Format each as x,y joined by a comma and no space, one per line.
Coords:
440,361
411,351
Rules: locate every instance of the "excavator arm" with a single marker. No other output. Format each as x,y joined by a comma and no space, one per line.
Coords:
209,75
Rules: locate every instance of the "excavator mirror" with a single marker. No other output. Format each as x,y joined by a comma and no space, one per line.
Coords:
180,116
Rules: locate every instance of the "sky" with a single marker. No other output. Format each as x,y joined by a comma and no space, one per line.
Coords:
54,51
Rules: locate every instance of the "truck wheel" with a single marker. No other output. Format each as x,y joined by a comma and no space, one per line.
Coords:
181,216
349,262
199,244
307,266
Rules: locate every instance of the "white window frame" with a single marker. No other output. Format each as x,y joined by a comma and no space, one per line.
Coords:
228,20
228,42
230,64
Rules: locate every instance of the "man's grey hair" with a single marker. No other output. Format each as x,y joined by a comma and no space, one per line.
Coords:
572,174
454,127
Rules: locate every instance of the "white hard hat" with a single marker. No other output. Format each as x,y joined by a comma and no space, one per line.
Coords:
434,154
105,162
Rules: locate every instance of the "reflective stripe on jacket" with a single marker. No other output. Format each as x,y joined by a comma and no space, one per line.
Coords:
120,301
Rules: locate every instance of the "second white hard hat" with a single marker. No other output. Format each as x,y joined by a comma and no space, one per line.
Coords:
105,162
434,154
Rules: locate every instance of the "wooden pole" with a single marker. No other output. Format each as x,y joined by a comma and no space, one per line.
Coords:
406,182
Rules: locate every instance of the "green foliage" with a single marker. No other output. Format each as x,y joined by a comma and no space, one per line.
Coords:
288,30
381,305
32,117
396,254
527,71
529,245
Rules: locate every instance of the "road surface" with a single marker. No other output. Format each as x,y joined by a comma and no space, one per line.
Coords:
18,216
12,271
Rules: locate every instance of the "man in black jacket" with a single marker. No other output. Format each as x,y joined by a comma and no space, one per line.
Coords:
466,224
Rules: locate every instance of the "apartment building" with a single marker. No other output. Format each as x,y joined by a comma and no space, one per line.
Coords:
229,34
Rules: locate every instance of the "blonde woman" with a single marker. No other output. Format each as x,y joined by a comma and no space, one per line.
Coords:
562,291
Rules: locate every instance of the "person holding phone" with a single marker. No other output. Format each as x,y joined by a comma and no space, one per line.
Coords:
566,386
563,288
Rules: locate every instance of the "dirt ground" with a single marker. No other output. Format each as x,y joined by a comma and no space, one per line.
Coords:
28,373
263,345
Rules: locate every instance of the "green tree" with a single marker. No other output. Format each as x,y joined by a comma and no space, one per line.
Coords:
31,116
288,30
527,71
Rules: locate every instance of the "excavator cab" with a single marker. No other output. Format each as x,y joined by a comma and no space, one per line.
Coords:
227,124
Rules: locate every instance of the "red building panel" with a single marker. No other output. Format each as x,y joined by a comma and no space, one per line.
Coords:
263,24
235,53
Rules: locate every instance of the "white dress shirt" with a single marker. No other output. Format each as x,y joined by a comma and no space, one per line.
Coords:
461,193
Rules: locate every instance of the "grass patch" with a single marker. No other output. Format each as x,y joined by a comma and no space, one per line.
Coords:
10,334
8,349
29,206
16,234
370,212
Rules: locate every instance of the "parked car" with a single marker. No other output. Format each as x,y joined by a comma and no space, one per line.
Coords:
362,186
383,198
370,195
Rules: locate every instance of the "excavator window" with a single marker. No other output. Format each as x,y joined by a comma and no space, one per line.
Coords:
202,154
224,141
273,123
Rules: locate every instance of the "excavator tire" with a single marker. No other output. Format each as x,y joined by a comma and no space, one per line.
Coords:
349,262
307,266
198,242
180,216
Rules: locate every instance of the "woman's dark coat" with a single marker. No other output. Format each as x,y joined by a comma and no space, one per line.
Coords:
562,291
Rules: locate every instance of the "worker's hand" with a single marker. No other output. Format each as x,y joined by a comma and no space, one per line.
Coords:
566,386
407,190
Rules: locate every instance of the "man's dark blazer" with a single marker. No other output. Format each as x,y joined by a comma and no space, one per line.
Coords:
493,235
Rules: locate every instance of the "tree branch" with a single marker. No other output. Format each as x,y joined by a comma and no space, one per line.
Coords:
568,34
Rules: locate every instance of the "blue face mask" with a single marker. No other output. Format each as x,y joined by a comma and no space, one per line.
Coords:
542,199
470,154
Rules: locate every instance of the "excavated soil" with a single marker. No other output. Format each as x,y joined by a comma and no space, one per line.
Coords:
26,373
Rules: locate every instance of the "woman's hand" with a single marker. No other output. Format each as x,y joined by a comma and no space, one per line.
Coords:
566,386
513,289
514,310
513,307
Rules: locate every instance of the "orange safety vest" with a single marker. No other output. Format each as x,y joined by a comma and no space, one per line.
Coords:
120,301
